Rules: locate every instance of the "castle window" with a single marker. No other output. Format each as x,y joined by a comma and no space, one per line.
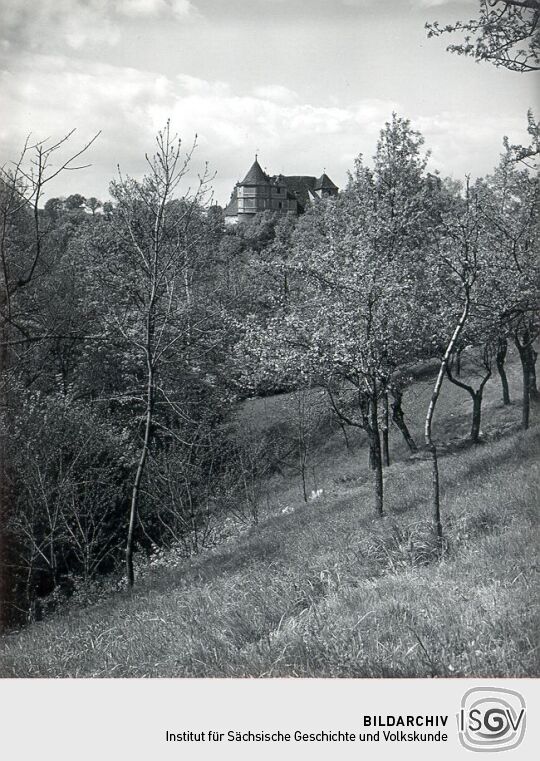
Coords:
278,190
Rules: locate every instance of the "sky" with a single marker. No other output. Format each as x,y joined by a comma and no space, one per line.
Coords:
305,84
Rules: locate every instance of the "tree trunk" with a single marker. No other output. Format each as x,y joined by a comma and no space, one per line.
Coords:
535,395
398,418
476,396
367,404
526,397
135,494
435,496
302,456
527,362
344,432
372,457
500,360
526,409
476,416
375,448
458,362
303,432
385,438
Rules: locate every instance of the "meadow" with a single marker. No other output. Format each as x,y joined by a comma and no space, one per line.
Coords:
325,588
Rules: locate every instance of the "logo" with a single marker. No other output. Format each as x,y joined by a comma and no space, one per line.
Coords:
491,719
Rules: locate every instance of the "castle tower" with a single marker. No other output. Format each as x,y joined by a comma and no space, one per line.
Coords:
259,192
253,192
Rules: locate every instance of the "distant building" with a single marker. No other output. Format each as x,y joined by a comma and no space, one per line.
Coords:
259,192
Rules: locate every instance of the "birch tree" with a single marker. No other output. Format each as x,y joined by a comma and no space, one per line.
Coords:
457,258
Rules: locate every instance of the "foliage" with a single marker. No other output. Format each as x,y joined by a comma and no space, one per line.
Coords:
505,33
527,155
132,332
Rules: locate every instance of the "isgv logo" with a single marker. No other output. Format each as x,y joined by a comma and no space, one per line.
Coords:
491,719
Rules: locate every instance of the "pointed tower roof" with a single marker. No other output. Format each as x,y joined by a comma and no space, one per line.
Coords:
325,183
255,176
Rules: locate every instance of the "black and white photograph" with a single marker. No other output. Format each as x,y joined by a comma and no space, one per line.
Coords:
269,326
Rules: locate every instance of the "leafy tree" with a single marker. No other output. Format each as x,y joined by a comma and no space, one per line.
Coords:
527,154
349,326
108,208
74,202
458,258
510,205
505,33
93,204
400,190
399,204
54,208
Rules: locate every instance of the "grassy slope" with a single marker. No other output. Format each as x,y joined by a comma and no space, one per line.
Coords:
328,590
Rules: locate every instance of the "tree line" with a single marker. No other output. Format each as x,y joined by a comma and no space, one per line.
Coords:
131,330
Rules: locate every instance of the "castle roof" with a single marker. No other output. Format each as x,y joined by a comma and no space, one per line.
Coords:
231,210
325,183
255,176
301,186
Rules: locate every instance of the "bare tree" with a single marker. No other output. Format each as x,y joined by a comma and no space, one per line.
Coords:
154,232
22,234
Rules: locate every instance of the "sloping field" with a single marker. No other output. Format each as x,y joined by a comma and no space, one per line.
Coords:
329,590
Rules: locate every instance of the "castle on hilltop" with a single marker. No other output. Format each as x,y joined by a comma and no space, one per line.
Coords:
259,192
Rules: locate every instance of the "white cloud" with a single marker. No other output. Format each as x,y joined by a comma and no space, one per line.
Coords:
359,3
50,95
427,3
412,3
27,24
79,22
457,140
431,3
202,87
178,8
390,6
182,8
276,93
140,7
